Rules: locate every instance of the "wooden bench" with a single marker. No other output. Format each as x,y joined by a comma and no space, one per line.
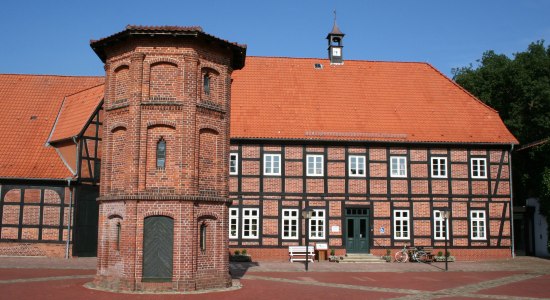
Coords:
299,253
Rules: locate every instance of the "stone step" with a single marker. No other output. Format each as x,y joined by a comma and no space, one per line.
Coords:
361,258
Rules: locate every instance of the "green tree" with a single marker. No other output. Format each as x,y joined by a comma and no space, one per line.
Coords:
519,89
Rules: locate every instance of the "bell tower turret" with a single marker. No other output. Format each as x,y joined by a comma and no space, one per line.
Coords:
335,44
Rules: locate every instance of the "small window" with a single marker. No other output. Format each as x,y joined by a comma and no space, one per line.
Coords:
479,168
203,237
440,226
314,165
161,154
317,224
233,164
233,223
478,225
401,224
251,220
439,167
272,164
118,233
290,223
206,83
398,166
356,166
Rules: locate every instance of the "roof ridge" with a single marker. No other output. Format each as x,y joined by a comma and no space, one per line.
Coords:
354,60
52,75
463,89
86,89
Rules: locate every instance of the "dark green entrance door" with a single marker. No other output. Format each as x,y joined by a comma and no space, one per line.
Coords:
357,230
158,244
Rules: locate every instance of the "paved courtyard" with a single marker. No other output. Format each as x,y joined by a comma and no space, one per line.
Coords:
520,278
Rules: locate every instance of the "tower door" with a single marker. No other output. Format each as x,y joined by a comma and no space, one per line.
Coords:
357,230
158,244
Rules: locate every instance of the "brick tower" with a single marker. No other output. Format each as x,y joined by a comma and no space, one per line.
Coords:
164,193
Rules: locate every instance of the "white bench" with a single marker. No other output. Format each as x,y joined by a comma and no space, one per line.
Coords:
299,253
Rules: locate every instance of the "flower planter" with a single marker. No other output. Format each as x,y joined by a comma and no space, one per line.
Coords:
442,258
240,258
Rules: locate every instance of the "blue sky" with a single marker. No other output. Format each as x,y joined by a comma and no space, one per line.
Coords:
52,37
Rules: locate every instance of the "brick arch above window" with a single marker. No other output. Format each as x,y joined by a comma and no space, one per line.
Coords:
209,129
159,60
117,126
115,216
207,216
162,123
159,213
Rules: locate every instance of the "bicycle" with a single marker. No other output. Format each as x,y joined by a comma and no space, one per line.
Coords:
419,255
402,255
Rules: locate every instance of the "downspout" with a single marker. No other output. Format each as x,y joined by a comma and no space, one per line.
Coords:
513,249
70,218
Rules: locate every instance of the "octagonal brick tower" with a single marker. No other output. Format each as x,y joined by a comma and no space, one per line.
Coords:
164,191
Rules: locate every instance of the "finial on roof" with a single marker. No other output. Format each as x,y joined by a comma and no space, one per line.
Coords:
335,29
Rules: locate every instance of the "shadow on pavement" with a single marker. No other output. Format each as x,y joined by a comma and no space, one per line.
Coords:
238,269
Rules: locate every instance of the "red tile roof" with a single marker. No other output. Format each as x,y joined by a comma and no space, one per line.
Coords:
75,113
30,104
288,98
272,98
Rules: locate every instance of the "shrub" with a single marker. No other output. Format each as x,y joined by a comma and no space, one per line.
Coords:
388,252
237,252
440,253
332,252
243,252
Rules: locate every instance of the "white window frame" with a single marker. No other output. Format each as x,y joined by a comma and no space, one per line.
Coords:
360,165
441,164
272,166
478,224
313,167
234,157
317,224
251,218
442,224
290,219
234,223
403,222
401,161
478,165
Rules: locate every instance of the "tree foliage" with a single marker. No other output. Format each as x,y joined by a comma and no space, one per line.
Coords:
519,89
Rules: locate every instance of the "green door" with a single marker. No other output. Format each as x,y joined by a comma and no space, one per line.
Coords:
357,230
158,243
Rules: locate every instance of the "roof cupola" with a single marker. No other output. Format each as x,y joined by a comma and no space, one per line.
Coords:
335,44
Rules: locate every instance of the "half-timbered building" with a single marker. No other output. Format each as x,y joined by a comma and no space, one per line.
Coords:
377,151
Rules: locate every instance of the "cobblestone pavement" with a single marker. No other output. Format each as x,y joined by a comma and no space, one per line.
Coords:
520,278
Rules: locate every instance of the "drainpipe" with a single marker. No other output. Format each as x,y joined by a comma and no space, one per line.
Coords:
70,218
513,249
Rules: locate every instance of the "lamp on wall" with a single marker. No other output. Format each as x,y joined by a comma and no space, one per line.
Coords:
306,214
446,214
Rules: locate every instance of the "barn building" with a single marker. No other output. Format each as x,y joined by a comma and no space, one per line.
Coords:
376,150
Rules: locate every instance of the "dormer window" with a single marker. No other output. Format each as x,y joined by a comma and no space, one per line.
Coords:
161,154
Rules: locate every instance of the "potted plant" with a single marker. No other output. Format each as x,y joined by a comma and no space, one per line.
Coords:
441,258
332,256
387,257
240,256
